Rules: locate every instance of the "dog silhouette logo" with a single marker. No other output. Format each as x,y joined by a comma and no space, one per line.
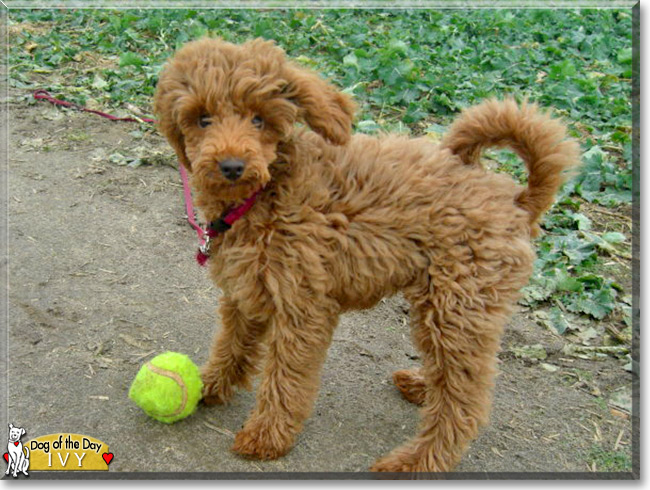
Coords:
17,457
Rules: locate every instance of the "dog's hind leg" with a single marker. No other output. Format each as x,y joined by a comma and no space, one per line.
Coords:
458,314
234,356
411,384
459,349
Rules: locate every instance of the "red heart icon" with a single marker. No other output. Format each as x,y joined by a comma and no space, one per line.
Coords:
6,455
108,457
16,443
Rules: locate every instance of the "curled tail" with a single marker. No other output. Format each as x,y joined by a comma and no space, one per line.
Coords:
539,140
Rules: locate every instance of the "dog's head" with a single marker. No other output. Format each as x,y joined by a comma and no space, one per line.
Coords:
15,433
225,108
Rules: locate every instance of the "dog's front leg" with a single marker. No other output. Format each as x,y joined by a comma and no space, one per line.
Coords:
234,355
19,462
14,460
300,334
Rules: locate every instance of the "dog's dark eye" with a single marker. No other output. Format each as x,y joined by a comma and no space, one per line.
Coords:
258,122
204,121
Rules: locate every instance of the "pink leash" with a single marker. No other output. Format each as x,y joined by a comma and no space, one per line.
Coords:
189,208
45,95
205,235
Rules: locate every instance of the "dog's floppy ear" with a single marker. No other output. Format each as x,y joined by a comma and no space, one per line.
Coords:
326,110
164,102
22,432
173,134
11,426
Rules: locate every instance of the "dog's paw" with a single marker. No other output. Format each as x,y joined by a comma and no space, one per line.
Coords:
395,463
214,396
411,384
263,439
215,391
408,459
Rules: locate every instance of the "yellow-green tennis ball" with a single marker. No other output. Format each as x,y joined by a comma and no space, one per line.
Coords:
168,387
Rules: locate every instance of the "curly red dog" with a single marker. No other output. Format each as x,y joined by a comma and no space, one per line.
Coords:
342,221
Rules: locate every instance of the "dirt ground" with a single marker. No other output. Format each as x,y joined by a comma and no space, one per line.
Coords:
102,277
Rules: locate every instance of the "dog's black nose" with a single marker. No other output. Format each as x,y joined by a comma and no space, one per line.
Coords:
232,168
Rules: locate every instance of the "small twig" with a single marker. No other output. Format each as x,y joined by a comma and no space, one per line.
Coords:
614,332
593,413
142,356
257,467
598,436
618,441
560,306
496,451
610,213
615,254
128,321
573,349
224,432
585,428
551,438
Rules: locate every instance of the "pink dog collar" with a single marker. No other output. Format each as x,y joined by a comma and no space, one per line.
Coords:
221,225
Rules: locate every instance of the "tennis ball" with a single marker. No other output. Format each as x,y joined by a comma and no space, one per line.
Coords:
168,387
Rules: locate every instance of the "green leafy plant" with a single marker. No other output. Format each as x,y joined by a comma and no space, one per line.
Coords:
410,71
603,460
